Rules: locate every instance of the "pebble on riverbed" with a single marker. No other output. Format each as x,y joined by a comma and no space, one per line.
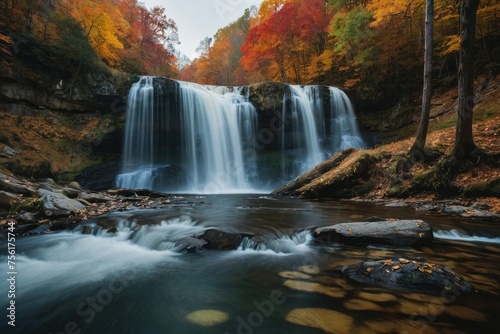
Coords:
327,320
207,318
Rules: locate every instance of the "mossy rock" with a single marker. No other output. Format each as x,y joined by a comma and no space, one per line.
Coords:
489,188
267,96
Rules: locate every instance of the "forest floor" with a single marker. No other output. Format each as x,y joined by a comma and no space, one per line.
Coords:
434,181
440,141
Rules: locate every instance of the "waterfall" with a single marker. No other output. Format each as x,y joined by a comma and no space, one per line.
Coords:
344,132
303,137
190,138
211,140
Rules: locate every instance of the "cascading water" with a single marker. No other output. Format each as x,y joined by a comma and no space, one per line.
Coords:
211,141
301,141
185,137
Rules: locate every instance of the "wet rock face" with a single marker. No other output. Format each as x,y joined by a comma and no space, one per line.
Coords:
267,96
100,177
408,274
392,233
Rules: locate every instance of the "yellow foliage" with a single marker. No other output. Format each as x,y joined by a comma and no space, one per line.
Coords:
451,45
385,10
349,83
4,42
103,24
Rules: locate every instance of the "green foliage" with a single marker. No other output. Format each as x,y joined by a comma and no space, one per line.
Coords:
73,43
487,188
30,205
351,29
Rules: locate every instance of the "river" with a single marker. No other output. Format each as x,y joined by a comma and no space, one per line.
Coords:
137,281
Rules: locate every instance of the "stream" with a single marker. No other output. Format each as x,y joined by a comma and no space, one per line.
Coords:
137,280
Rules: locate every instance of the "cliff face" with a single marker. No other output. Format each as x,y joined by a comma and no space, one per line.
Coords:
56,120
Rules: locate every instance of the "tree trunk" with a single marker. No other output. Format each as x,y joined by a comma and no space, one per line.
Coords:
464,142
417,150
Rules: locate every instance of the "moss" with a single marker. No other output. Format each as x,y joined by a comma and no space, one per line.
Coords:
439,178
67,177
484,189
443,122
394,192
364,188
29,205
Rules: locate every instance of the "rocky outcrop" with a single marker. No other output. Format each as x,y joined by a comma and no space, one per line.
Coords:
392,233
100,177
338,177
267,96
56,118
409,275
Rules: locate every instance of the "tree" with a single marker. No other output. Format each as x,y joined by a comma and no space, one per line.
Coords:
417,150
464,142
103,25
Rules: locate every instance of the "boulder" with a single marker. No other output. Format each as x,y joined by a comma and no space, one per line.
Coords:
58,205
342,176
8,152
95,197
99,177
7,199
27,218
392,233
16,185
409,275
220,240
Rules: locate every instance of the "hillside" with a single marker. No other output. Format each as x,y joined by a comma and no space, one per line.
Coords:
386,172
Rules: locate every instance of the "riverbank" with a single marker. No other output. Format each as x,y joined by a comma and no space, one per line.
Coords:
386,174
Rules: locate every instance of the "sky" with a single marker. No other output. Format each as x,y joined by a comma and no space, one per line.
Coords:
197,19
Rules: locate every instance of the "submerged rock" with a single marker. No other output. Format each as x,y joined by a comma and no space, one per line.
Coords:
220,240
327,320
394,233
207,318
408,274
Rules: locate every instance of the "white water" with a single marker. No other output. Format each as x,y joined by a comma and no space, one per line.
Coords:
209,143
458,235
344,131
212,141
281,244
304,131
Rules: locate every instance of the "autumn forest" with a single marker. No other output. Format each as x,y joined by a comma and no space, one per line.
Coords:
373,47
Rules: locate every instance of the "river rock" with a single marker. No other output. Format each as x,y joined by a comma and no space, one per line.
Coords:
8,152
328,321
27,218
58,205
191,245
99,177
207,318
95,197
17,185
7,199
220,240
393,233
410,275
